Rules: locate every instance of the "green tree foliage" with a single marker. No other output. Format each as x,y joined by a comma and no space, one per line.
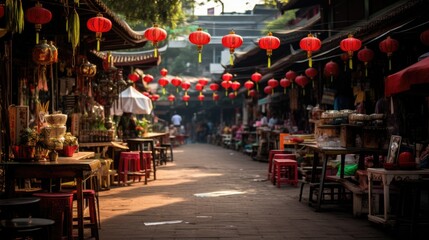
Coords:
147,12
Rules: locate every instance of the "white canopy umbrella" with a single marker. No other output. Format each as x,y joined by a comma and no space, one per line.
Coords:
132,101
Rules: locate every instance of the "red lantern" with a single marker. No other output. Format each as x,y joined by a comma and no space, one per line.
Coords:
134,77
215,97
199,87
147,94
235,86
291,75
345,58
203,81
171,98
227,77
232,41
185,86
424,37
155,97
268,90
350,45
1,10
310,44
256,77
199,38
155,35
331,70
226,84
388,46
186,98
252,93
163,72
302,81
273,83
201,98
285,83
311,73
148,78
176,81
249,85
269,43
99,25
365,55
231,96
214,87
163,82
38,16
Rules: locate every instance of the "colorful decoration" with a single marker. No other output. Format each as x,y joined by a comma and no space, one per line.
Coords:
232,41
38,16
249,85
171,98
269,43
226,85
155,97
199,87
311,73
214,87
310,44
134,77
235,86
227,76
186,98
302,81
285,83
99,25
163,82
256,77
216,97
345,58
201,98
331,70
163,72
291,75
231,96
185,86
273,83
268,90
148,78
365,55
424,37
199,38
203,81
176,81
1,10
350,45
155,34
388,46
252,93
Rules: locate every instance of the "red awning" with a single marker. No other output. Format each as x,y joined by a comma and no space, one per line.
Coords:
402,81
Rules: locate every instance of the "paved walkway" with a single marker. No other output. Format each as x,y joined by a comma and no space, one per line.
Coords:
170,207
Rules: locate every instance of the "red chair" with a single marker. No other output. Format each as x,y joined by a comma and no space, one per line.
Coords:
270,160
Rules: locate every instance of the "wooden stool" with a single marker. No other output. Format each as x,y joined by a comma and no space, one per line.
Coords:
169,153
161,155
270,160
58,207
26,228
90,196
129,165
285,171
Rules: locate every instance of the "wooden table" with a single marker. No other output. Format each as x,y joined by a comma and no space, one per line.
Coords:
144,139
327,151
387,177
78,167
104,145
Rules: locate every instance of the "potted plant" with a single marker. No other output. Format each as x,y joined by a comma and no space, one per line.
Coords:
70,144
143,126
26,147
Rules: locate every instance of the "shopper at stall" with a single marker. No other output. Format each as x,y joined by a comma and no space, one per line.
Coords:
176,120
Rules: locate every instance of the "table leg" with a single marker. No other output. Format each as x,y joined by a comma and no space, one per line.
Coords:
153,159
386,192
322,183
79,187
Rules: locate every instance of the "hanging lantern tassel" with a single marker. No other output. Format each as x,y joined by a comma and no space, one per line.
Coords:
155,51
38,27
98,37
310,61
231,57
390,63
257,87
199,53
284,91
163,90
350,60
269,53
303,91
366,69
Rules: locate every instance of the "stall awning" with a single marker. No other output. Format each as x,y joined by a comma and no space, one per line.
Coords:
402,81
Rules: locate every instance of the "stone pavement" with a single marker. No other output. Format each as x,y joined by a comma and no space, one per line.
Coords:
243,205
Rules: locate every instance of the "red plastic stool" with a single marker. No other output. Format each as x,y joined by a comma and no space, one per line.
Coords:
270,160
285,171
129,165
279,156
91,198
58,207
147,163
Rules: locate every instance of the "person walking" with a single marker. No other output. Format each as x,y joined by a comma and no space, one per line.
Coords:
176,120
